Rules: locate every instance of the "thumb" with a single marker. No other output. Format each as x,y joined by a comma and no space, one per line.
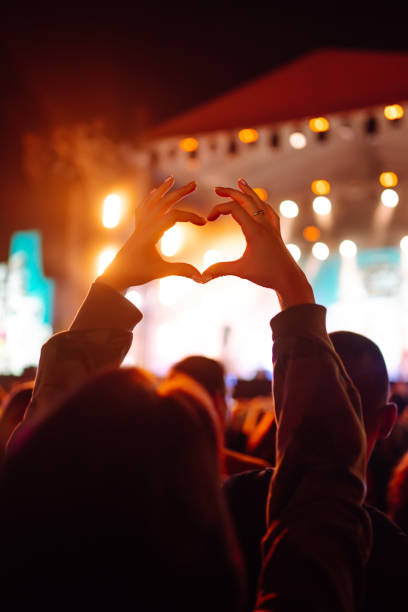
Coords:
182,269
223,268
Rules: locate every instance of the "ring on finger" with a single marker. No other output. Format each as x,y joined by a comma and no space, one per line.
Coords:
259,212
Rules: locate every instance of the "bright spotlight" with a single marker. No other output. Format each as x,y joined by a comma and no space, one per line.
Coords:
294,251
297,140
388,179
319,124
105,258
248,135
261,193
348,249
389,198
393,111
320,250
171,241
111,210
311,233
322,205
188,144
321,187
135,297
211,257
404,244
289,209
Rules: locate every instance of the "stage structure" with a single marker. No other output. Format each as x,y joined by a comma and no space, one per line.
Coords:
325,141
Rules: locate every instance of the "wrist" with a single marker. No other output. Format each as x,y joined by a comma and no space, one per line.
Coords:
296,290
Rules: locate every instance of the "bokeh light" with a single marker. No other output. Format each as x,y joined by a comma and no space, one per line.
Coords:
389,198
112,205
393,111
404,244
348,249
211,257
297,140
105,257
188,144
311,233
289,209
294,251
321,187
321,251
388,179
261,193
172,240
135,297
322,205
319,124
248,135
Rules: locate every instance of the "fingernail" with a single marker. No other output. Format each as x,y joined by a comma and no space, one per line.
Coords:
153,191
168,179
242,181
218,189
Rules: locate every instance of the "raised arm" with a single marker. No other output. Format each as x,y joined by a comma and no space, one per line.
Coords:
318,536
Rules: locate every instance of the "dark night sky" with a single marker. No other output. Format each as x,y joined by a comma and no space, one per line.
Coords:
133,68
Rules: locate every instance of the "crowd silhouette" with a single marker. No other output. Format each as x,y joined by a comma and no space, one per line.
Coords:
122,491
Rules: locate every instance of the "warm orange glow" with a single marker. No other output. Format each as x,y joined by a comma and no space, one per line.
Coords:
261,193
188,144
319,124
388,179
321,187
111,210
311,233
105,257
393,111
248,135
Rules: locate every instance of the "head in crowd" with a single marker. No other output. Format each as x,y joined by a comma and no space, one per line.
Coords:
210,374
397,495
118,495
366,367
13,411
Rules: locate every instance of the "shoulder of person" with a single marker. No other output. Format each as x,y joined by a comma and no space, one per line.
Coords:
390,544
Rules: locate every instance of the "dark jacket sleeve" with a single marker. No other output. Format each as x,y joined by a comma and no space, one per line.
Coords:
318,535
98,338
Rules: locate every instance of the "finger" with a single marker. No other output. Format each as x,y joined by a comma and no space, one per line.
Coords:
176,216
164,204
245,200
270,215
156,193
237,212
181,269
223,268
243,185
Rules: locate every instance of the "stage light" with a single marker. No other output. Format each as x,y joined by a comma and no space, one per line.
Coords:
348,249
389,198
289,209
297,140
188,144
393,111
135,297
294,251
404,244
211,257
112,205
105,257
248,135
311,233
388,179
322,205
320,250
172,289
319,124
261,193
171,241
321,187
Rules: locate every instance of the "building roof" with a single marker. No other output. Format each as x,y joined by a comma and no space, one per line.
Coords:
319,83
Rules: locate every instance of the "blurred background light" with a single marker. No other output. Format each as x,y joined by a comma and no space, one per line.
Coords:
112,205
172,240
319,124
297,140
348,249
211,257
393,111
322,205
388,179
188,144
248,135
289,209
404,244
321,187
294,251
389,198
105,257
320,250
261,193
311,233
135,297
